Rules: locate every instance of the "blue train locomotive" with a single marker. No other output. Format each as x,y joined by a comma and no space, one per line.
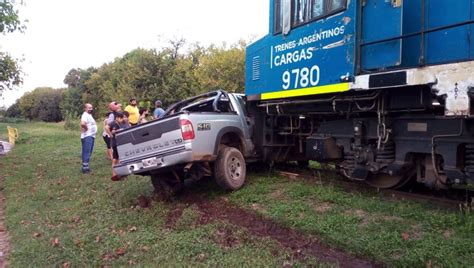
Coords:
383,88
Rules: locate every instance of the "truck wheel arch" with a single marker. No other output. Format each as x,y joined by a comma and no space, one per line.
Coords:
230,136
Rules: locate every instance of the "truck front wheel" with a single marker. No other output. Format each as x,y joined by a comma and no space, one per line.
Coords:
230,169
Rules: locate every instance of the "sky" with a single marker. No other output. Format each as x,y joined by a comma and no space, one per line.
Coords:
66,34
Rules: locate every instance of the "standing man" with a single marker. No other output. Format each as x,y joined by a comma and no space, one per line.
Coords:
114,107
159,112
88,131
133,113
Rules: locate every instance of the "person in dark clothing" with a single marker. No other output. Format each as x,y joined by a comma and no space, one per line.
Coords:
106,137
114,107
126,123
111,129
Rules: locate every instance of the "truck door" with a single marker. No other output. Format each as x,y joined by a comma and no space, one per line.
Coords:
381,25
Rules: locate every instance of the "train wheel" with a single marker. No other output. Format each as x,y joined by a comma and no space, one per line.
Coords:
386,181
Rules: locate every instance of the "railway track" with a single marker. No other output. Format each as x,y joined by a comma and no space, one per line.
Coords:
453,199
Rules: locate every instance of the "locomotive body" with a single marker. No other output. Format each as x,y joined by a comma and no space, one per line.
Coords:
383,88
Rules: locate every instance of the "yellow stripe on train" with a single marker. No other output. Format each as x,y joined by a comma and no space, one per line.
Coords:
341,87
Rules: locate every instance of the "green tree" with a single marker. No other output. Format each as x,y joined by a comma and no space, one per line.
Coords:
73,78
221,68
9,19
42,104
77,91
99,90
168,74
13,110
47,107
26,103
71,103
144,74
10,72
179,82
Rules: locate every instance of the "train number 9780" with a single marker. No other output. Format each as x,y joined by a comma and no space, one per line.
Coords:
300,78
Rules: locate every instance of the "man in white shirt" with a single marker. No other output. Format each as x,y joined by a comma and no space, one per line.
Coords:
88,131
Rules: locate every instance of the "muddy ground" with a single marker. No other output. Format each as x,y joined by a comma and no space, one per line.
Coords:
301,245
4,245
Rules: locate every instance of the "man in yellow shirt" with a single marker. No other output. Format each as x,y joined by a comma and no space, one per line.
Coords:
132,110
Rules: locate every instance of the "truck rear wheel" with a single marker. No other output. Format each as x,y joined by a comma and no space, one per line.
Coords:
166,183
303,163
230,169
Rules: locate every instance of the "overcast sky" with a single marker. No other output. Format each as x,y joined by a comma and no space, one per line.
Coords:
66,34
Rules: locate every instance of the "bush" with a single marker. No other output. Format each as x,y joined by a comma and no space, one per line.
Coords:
71,101
71,121
42,104
12,120
13,111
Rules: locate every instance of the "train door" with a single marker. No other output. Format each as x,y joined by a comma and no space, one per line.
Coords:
381,29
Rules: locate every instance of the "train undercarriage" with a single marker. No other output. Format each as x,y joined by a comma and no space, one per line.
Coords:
383,137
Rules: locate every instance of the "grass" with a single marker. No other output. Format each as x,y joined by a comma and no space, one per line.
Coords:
55,216
397,233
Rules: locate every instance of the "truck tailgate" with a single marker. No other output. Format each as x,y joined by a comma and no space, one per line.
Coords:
158,137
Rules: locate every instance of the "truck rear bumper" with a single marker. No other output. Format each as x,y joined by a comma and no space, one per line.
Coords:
153,163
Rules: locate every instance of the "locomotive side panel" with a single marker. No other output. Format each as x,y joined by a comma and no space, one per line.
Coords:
316,57
381,88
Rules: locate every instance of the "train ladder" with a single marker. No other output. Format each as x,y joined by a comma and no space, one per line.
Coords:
12,135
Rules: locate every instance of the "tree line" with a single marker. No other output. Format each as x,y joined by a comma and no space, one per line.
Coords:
169,74
10,71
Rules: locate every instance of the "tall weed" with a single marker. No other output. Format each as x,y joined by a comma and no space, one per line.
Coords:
72,122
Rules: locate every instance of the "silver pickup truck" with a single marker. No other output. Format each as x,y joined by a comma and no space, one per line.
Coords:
207,135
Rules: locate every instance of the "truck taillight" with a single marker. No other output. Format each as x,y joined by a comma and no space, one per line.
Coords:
187,129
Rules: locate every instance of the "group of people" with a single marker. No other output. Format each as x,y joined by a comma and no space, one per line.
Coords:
114,120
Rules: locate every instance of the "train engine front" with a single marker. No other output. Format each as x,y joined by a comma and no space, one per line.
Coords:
383,88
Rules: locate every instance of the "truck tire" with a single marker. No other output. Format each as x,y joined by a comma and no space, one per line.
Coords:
166,184
303,163
230,169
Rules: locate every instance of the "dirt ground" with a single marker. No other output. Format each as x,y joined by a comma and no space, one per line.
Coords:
4,245
302,245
